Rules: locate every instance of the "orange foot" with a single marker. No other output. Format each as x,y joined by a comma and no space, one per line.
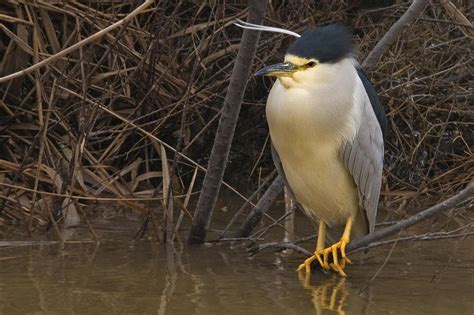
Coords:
306,265
336,265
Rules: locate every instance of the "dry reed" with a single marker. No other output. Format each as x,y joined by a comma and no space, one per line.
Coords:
129,117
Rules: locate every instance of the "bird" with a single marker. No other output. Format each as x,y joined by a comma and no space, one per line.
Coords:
327,128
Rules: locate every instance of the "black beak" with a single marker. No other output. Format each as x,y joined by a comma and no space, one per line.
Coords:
283,69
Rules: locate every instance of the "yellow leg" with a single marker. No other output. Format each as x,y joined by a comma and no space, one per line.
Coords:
317,252
336,265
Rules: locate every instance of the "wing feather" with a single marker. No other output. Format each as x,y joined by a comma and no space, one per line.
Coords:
363,156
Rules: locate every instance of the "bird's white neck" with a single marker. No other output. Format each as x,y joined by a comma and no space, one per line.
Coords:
318,104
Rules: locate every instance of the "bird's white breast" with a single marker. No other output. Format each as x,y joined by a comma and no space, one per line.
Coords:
307,128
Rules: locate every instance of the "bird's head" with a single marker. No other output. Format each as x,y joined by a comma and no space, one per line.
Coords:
317,57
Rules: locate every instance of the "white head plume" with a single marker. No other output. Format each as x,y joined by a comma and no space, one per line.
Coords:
257,27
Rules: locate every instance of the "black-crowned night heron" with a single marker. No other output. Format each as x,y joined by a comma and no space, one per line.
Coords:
327,128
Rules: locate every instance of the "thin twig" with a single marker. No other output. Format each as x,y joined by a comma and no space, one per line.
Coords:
79,44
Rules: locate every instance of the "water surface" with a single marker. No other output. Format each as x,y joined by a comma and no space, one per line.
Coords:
142,277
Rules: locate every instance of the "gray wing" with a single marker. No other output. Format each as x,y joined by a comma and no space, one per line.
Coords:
363,157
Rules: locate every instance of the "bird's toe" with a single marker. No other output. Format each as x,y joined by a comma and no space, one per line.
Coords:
335,250
306,265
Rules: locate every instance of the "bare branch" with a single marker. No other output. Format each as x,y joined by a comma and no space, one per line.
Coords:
246,203
465,194
261,208
424,237
225,130
464,24
372,240
394,32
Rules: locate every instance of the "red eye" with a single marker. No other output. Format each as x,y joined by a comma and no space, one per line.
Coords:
311,64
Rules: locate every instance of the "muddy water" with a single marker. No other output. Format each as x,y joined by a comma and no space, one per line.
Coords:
121,276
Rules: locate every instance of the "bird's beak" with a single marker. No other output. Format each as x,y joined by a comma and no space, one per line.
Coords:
283,69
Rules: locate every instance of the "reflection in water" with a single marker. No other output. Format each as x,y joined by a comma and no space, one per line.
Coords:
329,294
124,277
170,281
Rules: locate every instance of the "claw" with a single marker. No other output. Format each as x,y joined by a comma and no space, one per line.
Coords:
336,265
343,251
306,265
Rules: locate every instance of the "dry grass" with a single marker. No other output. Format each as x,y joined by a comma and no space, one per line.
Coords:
104,122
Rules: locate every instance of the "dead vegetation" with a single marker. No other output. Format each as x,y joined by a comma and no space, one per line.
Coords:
129,117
